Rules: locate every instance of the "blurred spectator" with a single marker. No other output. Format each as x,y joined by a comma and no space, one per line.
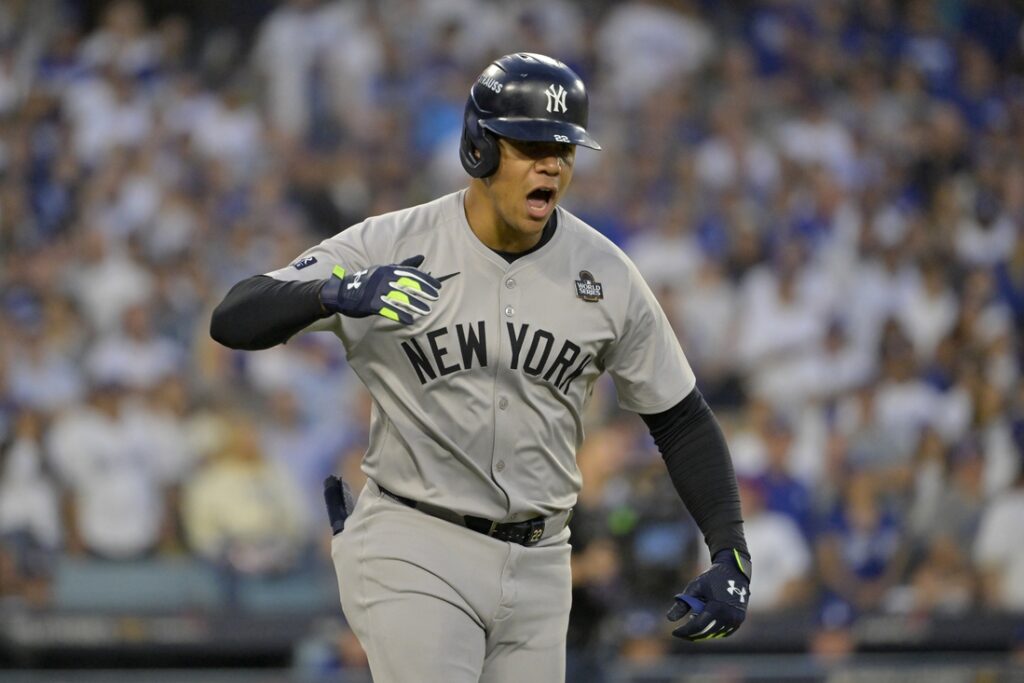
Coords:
107,281
943,151
903,402
930,310
117,483
814,138
647,45
998,551
30,524
986,326
994,431
12,83
834,368
1009,276
944,582
307,449
132,355
316,53
829,221
315,363
122,40
709,323
732,157
986,236
41,375
860,551
551,27
784,566
230,132
779,490
924,44
881,280
950,495
107,111
242,511
956,375
744,432
668,255
780,322
944,521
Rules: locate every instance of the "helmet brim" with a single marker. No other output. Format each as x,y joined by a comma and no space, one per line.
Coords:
540,130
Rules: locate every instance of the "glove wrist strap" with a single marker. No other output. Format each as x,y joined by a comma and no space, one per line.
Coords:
329,295
331,291
734,557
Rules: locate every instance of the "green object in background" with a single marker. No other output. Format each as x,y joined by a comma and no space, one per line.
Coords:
622,520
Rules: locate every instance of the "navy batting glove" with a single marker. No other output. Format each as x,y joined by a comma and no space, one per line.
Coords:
715,603
397,292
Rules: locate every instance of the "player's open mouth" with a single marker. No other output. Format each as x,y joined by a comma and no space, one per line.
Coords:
539,201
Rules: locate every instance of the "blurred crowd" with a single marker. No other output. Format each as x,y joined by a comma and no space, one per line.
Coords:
827,197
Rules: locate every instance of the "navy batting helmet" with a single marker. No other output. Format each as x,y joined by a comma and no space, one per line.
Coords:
522,96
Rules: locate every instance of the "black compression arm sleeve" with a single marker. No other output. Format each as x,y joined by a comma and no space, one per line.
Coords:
260,312
694,449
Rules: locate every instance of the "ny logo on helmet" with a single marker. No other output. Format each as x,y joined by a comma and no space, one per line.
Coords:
556,98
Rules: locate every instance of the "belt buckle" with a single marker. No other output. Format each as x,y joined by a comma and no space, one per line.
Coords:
535,532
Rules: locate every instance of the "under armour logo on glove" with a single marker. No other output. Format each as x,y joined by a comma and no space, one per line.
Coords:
398,292
715,603
356,281
733,590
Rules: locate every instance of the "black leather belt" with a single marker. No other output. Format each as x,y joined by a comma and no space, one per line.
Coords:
527,533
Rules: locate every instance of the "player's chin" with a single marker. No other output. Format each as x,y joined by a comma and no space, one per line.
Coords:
532,225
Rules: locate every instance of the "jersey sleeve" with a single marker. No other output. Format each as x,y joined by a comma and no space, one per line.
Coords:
650,371
347,249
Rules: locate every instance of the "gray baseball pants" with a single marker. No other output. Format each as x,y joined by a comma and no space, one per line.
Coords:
434,602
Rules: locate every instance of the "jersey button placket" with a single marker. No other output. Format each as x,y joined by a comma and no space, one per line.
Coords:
508,296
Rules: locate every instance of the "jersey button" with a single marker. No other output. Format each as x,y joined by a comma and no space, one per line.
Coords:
509,311
510,284
500,466
502,403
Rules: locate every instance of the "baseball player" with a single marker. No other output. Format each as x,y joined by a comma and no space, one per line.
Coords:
479,323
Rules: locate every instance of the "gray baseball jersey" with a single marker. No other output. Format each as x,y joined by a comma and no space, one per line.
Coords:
478,405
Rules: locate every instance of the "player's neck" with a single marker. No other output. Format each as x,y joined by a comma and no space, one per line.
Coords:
489,227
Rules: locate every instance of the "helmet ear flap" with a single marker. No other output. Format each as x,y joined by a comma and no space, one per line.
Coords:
478,149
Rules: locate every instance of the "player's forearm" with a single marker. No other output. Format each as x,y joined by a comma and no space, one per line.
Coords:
697,456
260,312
